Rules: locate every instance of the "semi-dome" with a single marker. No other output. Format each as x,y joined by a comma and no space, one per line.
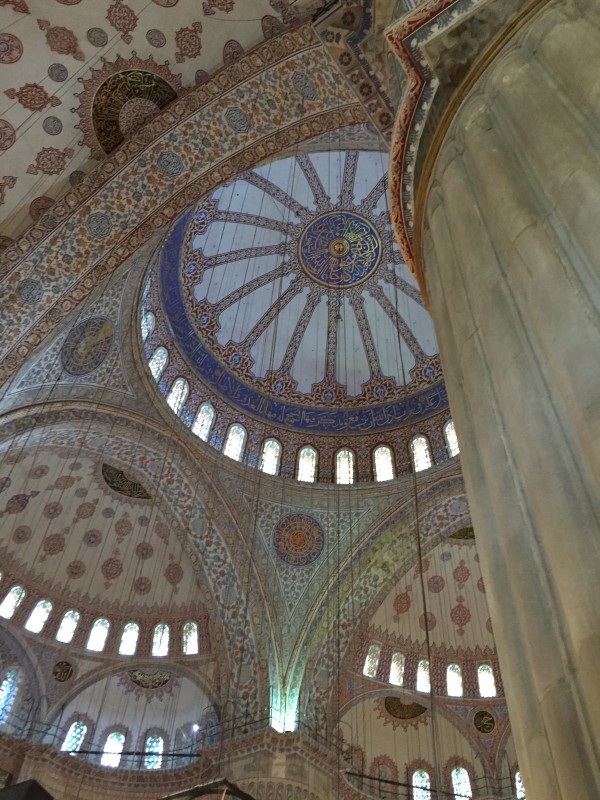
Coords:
283,301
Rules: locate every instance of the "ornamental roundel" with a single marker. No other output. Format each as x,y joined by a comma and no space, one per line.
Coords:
339,249
87,345
484,722
298,539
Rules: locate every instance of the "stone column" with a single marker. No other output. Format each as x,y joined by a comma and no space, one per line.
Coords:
511,251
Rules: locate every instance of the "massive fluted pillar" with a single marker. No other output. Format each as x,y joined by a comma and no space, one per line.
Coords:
510,243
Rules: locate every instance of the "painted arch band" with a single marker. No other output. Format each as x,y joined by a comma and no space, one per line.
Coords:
339,249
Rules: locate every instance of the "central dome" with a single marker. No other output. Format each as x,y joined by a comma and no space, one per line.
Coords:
339,249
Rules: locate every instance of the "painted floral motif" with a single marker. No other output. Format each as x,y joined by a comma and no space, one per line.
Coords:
61,40
32,96
7,182
53,544
76,569
21,534
11,48
50,161
188,42
174,573
460,615
208,6
402,602
17,5
142,585
123,19
112,568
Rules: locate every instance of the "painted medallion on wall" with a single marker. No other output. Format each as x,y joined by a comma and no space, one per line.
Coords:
87,345
298,539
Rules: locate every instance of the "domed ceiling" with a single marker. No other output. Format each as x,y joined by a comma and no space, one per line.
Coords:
285,293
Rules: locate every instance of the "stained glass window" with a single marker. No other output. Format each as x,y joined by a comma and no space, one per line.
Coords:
113,747
519,787
421,785
68,626
178,395
74,738
423,682
270,457
344,466
451,440
421,453
154,749
307,465
148,322
129,639
235,441
383,460
8,692
461,783
97,638
39,616
158,362
203,422
372,661
397,669
485,678
454,680
12,601
190,639
160,640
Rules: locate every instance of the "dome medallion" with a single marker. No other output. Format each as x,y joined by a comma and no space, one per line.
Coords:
339,249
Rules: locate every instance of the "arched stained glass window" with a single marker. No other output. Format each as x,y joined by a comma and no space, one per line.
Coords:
383,462
461,783
39,616
270,457
235,442
74,738
423,681
158,362
12,601
190,639
68,626
372,661
113,747
486,680
397,669
451,439
421,785
148,323
153,752
344,466
454,680
421,453
160,640
129,639
99,632
307,465
8,692
519,787
178,394
204,421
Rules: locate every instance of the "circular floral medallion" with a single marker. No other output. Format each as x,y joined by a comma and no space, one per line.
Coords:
142,585
58,72
53,544
112,568
339,249
22,534
298,539
11,48
87,345
30,291
92,538
7,135
75,569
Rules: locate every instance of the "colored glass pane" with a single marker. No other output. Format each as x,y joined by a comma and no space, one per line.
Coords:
8,693
451,438
74,738
158,362
486,680
190,639
307,465
178,395
68,626
98,634
397,669
372,661
153,752
383,461
234,444
461,783
423,681
421,453
454,680
160,640
113,747
270,457
519,787
148,322
344,467
421,785
12,601
203,422
129,639
39,616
